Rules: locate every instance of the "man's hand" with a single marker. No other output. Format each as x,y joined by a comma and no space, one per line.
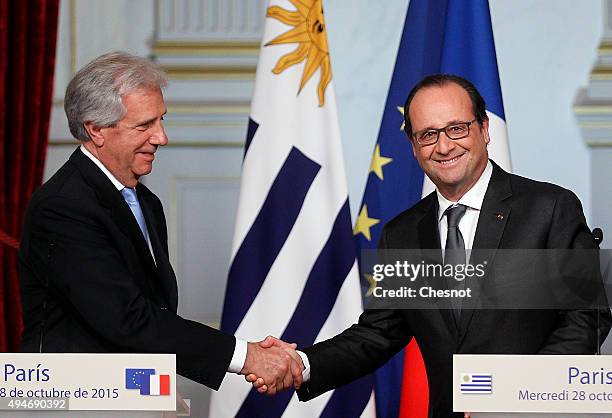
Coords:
272,366
294,372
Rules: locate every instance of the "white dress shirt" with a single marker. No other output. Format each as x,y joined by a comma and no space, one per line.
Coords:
101,166
240,351
473,200
115,182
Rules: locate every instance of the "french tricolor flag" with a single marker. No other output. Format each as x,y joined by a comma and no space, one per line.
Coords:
155,385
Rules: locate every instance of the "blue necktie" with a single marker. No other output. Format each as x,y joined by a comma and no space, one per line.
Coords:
129,194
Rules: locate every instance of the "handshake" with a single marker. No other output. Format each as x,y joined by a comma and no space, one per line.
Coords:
273,365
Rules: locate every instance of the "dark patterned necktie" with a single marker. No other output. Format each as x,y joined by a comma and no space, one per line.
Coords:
455,251
454,239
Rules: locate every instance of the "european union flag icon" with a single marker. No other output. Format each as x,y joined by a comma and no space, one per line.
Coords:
133,377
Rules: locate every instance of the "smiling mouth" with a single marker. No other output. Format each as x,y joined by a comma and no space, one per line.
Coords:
148,155
450,161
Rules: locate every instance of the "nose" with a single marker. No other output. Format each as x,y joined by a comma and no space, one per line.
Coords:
158,135
444,144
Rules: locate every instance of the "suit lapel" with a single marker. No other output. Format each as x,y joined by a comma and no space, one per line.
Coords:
429,237
494,212
165,273
110,198
492,222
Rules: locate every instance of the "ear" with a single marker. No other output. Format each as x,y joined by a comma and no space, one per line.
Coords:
485,130
414,151
95,133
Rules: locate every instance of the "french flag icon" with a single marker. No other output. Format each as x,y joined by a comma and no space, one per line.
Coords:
155,385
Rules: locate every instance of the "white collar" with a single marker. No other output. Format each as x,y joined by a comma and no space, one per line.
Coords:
101,166
473,198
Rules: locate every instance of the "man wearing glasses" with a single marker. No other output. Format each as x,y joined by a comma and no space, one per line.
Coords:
476,205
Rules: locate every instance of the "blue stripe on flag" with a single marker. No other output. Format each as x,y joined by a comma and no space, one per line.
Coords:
324,282
256,405
350,400
266,237
471,53
253,126
318,298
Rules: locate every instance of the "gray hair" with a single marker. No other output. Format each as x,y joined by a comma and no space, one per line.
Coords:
94,94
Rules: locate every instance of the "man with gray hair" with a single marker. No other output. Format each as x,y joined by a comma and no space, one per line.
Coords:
93,262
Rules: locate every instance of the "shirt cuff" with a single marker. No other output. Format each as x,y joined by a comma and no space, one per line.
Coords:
239,357
306,372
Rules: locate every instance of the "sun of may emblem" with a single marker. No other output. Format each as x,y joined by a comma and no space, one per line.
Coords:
309,32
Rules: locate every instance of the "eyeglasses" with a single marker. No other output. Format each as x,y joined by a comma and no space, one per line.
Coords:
454,131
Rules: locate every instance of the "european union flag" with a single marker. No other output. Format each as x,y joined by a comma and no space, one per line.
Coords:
134,377
145,385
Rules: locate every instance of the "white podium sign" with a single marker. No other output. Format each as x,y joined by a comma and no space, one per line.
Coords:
532,383
87,382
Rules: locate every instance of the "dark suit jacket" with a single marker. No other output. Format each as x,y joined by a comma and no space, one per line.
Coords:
535,216
90,284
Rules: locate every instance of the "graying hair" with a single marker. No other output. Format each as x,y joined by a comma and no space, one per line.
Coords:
94,94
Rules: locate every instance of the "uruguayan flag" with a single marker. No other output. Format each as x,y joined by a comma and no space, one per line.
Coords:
293,272
476,383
